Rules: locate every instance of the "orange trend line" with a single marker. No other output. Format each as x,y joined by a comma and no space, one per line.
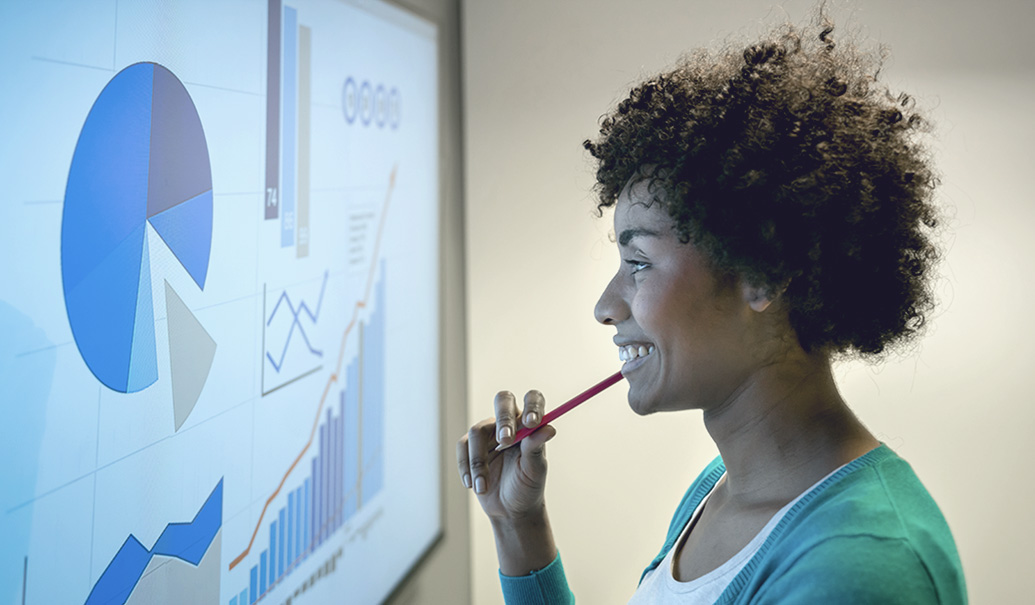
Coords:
334,376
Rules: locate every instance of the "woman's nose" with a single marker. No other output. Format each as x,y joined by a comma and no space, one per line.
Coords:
611,308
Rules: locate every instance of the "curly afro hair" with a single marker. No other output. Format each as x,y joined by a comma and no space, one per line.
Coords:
790,167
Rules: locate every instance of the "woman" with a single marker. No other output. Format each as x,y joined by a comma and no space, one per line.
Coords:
772,210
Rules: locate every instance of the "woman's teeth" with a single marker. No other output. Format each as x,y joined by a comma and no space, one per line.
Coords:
630,352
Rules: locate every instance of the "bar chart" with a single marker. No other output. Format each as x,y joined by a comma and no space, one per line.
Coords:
346,470
289,48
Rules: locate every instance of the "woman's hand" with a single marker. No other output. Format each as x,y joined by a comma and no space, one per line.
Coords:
509,483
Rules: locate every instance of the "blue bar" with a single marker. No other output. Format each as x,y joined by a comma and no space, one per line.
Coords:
243,598
254,584
291,529
280,551
340,476
233,600
372,468
337,470
322,504
307,530
325,522
313,539
298,523
332,468
262,572
351,457
289,126
273,552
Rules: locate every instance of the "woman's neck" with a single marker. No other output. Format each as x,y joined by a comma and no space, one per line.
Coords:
784,429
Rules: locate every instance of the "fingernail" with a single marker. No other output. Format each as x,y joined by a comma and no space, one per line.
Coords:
479,485
531,419
505,433
467,480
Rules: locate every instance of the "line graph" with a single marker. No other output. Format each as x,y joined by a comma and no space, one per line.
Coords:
295,323
185,541
290,318
333,378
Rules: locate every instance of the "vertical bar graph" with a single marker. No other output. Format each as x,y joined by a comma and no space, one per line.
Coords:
346,471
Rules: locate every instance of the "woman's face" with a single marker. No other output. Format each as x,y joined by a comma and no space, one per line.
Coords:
689,338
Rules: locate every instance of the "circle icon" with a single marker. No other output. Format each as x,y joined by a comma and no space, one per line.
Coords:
380,106
366,103
141,159
393,108
350,100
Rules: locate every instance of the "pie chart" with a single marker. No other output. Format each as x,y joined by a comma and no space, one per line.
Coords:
141,160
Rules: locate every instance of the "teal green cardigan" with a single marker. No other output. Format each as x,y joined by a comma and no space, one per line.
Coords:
869,533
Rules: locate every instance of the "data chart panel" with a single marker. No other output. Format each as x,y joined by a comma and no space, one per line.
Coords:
220,364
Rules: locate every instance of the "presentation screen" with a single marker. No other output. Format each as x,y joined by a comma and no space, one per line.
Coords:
219,323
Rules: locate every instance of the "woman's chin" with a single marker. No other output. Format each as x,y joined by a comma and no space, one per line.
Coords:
642,407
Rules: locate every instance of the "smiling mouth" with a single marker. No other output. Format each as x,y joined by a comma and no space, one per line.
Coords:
631,354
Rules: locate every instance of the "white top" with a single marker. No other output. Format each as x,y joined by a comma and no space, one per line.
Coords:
660,586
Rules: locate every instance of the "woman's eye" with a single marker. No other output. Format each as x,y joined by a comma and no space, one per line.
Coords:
637,266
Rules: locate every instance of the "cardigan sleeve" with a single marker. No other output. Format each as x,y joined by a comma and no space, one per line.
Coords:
546,586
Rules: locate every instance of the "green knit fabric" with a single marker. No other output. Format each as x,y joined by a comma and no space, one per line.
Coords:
869,533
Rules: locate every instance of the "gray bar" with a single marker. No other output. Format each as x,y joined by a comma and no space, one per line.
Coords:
273,110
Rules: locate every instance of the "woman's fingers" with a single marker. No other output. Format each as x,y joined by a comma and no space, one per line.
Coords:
481,443
506,417
535,407
463,462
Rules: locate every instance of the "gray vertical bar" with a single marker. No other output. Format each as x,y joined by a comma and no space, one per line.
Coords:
304,101
25,577
273,109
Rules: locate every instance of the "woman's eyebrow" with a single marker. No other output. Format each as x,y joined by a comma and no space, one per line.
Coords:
628,234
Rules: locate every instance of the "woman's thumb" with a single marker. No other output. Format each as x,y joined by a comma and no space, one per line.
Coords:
533,449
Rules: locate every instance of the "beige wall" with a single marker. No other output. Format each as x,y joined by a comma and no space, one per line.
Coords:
539,73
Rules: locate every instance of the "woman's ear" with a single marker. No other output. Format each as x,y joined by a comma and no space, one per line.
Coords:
759,297
756,299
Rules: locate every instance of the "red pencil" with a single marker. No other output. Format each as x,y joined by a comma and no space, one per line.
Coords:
566,407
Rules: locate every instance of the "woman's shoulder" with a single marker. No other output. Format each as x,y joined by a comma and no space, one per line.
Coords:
872,525
877,494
